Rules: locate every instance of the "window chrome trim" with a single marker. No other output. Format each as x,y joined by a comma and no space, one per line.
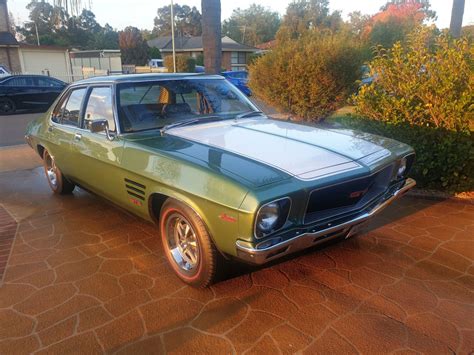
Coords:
276,230
67,92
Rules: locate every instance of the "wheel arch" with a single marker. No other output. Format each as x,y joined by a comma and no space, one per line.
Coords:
156,201
40,150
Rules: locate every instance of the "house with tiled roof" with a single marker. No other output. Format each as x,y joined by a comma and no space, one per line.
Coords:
235,55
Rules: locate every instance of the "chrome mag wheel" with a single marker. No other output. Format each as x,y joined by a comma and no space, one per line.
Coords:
183,243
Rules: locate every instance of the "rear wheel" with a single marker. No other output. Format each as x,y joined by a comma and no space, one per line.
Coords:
7,106
58,183
187,244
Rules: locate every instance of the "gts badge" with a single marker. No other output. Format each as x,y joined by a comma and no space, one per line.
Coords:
357,194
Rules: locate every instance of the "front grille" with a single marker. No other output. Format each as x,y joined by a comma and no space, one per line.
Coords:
346,197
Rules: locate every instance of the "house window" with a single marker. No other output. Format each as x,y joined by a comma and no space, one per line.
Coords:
238,58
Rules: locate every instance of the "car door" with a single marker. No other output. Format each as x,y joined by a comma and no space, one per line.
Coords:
63,127
28,93
98,157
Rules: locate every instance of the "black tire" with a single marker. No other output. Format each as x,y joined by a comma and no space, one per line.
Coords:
174,215
57,182
7,106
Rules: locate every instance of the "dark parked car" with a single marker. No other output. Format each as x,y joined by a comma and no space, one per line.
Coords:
239,79
28,93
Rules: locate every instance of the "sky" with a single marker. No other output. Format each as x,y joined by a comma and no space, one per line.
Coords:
140,13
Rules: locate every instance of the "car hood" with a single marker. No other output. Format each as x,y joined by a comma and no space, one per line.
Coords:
301,151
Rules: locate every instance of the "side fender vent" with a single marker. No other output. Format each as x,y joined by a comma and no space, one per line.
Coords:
135,189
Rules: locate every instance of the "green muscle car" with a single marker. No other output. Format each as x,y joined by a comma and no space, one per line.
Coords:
221,180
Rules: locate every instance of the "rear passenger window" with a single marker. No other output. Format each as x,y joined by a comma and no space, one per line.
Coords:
70,113
59,109
100,106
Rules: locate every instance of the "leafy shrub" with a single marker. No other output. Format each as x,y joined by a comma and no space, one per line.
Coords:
444,158
423,95
428,81
309,76
184,63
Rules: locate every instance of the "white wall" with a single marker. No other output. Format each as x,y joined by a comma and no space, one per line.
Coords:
39,61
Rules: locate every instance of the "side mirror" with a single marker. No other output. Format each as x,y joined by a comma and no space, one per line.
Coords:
97,126
100,125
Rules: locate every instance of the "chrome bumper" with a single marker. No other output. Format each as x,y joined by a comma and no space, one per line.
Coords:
254,255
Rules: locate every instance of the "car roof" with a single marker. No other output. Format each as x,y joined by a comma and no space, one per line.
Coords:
28,76
137,78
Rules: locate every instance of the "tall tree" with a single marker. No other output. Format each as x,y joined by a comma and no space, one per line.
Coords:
57,27
253,25
457,14
187,21
422,6
73,7
133,47
396,19
211,35
302,15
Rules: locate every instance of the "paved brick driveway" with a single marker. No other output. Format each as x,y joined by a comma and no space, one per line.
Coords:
85,277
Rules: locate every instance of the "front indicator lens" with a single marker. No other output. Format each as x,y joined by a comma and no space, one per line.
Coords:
402,168
268,217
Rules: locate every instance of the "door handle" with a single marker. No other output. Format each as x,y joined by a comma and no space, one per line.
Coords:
77,136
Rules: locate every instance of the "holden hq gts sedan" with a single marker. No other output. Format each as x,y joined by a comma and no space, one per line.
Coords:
221,180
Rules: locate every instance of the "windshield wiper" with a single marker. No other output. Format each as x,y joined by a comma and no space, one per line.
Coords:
189,122
248,114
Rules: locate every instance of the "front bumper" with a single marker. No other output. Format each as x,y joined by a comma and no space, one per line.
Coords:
255,255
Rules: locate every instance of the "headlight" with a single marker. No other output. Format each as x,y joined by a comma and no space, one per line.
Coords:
271,217
268,217
402,168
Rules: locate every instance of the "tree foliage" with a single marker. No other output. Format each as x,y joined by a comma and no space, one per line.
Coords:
303,15
56,27
253,25
408,7
187,21
396,20
133,47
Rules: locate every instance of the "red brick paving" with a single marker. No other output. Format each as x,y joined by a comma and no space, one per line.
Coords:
85,277
7,235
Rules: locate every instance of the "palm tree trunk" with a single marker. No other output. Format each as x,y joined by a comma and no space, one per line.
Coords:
211,35
456,17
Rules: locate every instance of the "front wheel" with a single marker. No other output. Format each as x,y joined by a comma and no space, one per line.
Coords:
57,182
187,244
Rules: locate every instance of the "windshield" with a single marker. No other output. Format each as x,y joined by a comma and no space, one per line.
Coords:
156,104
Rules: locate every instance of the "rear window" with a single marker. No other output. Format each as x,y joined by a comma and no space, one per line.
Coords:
20,81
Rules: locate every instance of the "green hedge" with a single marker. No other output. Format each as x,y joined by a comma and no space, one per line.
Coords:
184,63
444,158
